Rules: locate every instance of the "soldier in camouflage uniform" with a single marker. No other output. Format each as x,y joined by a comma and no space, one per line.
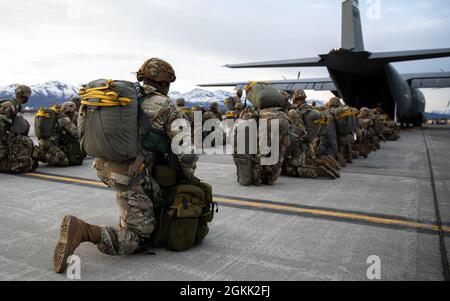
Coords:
135,201
213,113
54,150
369,139
18,146
345,152
70,109
302,162
268,175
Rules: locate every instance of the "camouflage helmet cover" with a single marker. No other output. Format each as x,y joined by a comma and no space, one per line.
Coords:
156,70
23,91
335,102
214,105
181,102
69,107
299,94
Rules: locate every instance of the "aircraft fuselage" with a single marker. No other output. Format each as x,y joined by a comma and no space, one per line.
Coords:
362,82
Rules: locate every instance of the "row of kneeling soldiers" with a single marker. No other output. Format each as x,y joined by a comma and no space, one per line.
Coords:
315,142
55,128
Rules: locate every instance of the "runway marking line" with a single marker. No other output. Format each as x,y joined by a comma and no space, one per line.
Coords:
281,208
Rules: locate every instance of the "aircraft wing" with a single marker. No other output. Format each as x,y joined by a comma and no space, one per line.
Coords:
402,56
308,62
317,84
428,80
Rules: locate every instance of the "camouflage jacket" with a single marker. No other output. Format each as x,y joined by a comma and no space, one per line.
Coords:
162,113
8,109
296,116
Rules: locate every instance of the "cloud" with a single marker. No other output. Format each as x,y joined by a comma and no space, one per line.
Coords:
76,41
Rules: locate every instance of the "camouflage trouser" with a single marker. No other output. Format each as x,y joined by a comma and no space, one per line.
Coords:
51,154
269,174
136,221
297,164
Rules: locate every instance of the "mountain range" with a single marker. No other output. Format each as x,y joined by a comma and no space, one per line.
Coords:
55,92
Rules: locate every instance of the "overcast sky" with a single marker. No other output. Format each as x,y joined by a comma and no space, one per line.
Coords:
77,41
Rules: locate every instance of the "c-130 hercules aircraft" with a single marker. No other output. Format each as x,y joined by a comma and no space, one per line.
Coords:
363,78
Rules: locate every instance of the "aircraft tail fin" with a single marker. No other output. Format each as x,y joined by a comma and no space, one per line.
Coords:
352,36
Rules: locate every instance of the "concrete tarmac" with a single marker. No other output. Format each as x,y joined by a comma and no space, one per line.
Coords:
297,230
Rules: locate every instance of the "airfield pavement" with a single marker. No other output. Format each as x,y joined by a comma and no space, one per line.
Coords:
297,230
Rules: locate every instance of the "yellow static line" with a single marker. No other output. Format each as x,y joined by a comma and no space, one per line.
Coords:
285,208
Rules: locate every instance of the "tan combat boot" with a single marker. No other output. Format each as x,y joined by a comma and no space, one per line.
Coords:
73,232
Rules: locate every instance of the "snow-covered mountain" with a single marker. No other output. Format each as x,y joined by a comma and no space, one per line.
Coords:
49,93
202,97
44,95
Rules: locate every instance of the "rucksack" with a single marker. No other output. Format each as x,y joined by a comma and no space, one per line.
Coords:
108,120
182,218
264,96
44,123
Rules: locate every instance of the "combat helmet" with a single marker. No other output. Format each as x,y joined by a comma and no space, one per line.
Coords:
23,92
69,107
214,105
181,102
300,94
334,103
156,70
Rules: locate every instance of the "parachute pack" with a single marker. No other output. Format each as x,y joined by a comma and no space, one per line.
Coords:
108,120
314,121
263,96
346,121
44,123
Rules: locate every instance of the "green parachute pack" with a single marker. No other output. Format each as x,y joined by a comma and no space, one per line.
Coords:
346,121
263,96
44,123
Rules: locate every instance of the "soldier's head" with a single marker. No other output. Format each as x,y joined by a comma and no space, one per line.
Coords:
181,102
364,112
299,97
334,103
158,74
77,101
23,94
239,93
69,107
314,103
214,106
239,107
